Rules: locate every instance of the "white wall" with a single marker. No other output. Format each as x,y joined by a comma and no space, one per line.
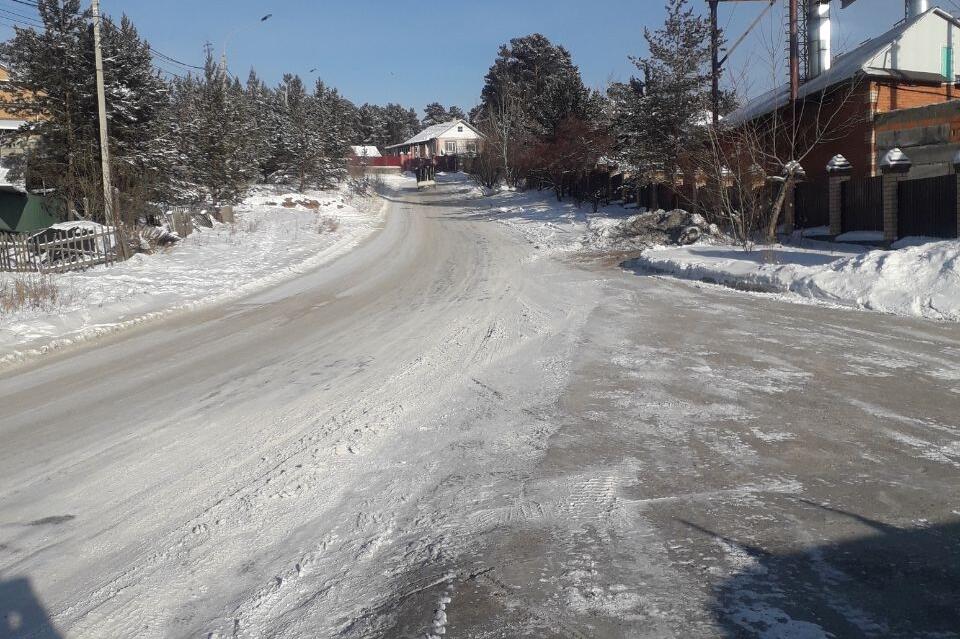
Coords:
921,47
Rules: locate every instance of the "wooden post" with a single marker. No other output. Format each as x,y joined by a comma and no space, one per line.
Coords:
838,172
894,167
123,248
226,214
956,171
790,200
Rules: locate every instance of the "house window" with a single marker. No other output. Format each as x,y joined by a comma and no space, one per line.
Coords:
471,147
460,129
450,147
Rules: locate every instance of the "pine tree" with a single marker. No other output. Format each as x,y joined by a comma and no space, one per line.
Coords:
659,115
262,125
216,155
400,124
541,78
434,113
334,125
371,125
56,68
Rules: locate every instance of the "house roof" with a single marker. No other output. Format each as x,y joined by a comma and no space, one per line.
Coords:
365,151
434,132
866,60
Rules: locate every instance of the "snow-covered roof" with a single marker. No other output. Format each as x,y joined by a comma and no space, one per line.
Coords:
11,125
365,151
870,59
434,132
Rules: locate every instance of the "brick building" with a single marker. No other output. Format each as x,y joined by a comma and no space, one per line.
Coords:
861,96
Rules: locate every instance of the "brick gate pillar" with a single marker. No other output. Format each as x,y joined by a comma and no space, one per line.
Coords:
838,172
894,167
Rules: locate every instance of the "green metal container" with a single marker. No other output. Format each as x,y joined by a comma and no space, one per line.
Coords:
22,212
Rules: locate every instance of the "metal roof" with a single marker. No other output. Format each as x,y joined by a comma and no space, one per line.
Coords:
849,66
434,132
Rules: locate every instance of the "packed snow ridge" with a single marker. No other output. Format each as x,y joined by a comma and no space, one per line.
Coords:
918,278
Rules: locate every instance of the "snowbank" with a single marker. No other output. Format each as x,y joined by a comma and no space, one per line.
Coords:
917,280
268,243
554,227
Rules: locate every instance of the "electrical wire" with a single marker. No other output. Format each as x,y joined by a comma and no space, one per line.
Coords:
20,15
172,60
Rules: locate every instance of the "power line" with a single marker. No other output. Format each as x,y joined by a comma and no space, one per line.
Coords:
160,54
10,22
31,21
167,58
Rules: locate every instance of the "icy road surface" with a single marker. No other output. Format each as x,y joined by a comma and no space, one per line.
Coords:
444,434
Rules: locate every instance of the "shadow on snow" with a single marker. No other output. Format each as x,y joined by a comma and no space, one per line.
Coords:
891,583
22,616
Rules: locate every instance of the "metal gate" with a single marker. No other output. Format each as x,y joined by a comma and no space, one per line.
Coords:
928,207
862,205
812,205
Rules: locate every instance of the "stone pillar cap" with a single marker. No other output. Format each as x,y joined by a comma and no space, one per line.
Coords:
794,167
895,160
838,164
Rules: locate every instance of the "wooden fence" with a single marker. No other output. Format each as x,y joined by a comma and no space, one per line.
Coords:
927,207
56,251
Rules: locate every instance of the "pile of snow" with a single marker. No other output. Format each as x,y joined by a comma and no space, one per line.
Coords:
660,227
554,227
919,280
268,243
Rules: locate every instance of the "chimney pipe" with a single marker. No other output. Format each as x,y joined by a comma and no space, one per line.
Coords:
818,37
917,7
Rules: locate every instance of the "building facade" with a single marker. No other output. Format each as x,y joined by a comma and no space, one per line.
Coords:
449,139
853,103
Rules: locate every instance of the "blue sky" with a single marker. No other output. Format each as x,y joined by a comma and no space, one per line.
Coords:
418,52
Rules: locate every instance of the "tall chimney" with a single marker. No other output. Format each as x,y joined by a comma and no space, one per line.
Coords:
917,7
818,37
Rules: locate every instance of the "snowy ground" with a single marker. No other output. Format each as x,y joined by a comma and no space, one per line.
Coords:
268,244
918,279
554,228
437,436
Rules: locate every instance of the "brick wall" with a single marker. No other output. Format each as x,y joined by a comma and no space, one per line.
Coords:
894,96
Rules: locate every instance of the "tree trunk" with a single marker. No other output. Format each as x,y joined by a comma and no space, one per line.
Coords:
771,235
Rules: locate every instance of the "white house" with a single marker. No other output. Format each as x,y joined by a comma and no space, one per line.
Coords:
454,138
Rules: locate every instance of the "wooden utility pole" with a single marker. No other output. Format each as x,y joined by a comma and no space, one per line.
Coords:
715,62
794,51
108,210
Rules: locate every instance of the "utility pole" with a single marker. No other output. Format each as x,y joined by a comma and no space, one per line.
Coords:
794,51
715,62
108,211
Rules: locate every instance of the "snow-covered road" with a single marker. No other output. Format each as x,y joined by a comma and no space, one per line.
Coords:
436,435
